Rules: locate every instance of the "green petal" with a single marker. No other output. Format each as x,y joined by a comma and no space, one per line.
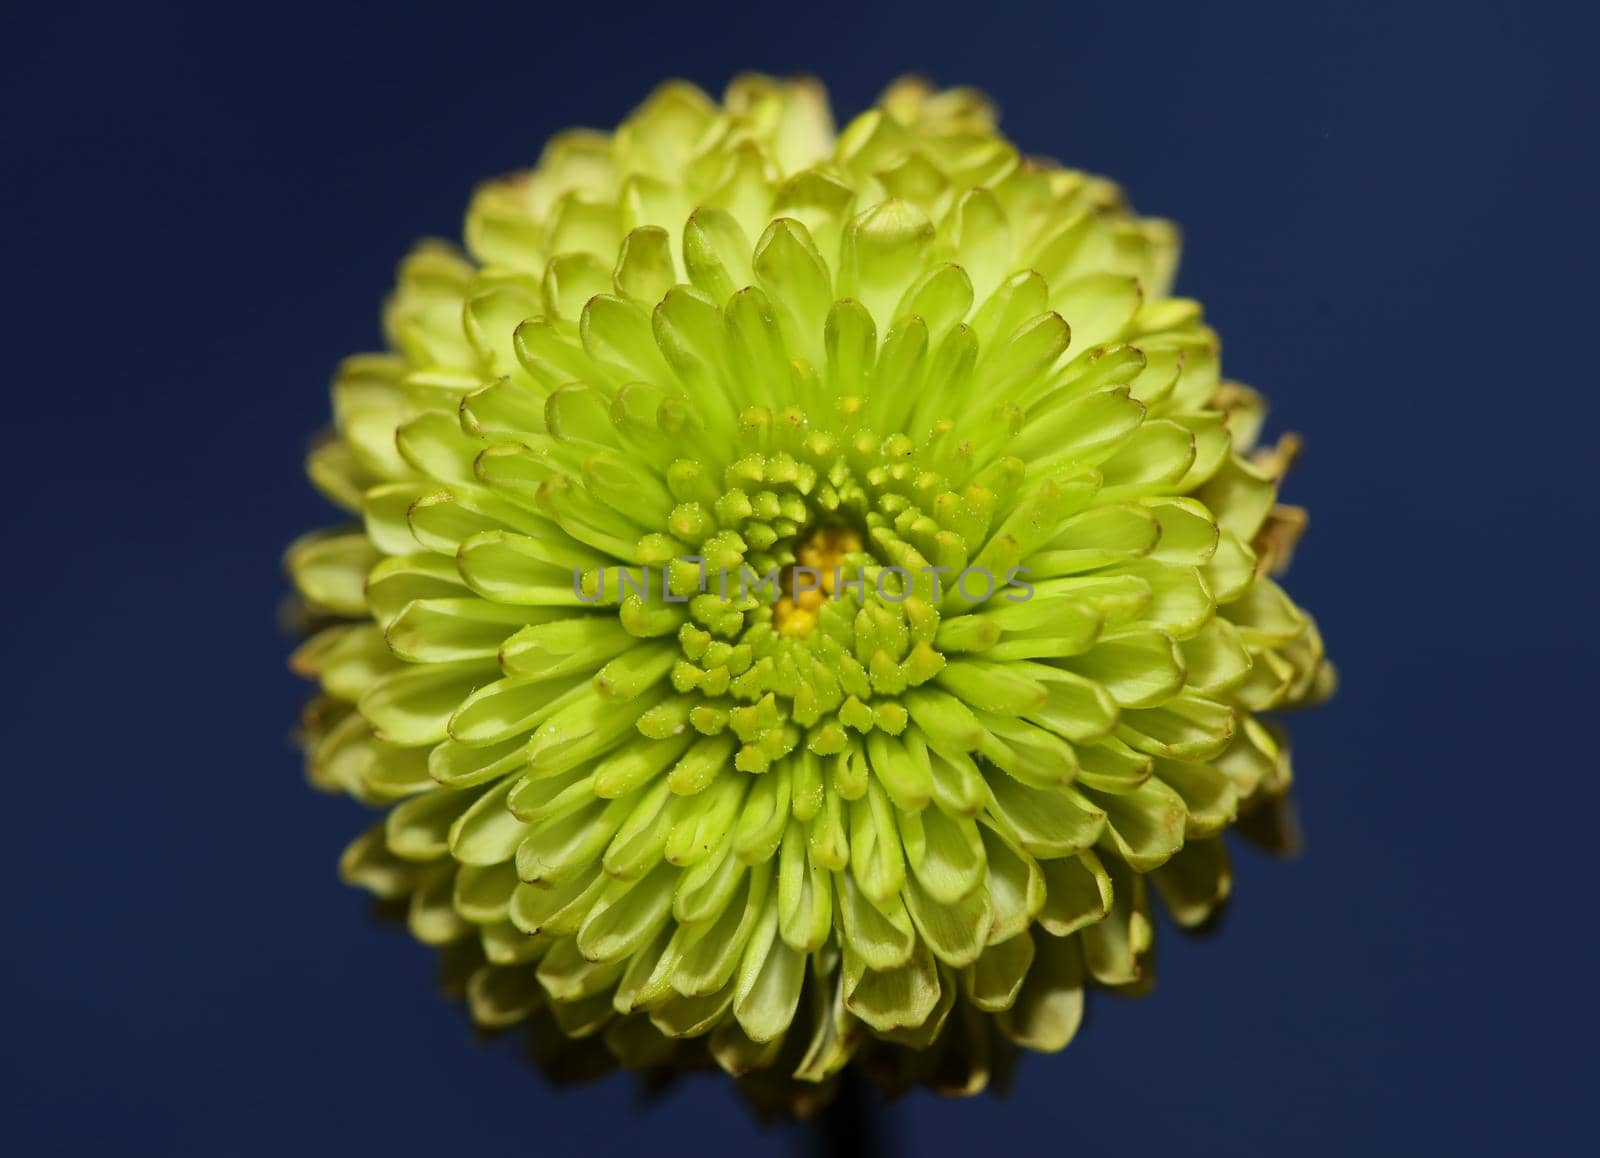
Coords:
1146,826
431,915
945,853
330,571
710,952
483,892
1077,893
448,630
1114,948
805,894
882,253
993,981
1187,727
1049,1008
1015,886
767,986
502,997
626,915
555,910
1045,821
901,998
567,976
419,828
1193,883
487,833
956,933
881,936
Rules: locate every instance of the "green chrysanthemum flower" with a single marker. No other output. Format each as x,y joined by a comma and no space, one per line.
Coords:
1010,662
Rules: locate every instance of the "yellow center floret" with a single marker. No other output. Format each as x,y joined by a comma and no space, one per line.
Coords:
824,552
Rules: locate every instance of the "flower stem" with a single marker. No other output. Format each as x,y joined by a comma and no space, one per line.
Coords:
848,1127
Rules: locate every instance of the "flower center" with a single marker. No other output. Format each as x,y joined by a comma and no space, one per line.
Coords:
812,578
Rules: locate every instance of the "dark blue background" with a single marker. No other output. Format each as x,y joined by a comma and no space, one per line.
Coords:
1389,211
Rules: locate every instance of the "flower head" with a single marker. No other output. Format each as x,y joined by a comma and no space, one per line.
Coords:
808,588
